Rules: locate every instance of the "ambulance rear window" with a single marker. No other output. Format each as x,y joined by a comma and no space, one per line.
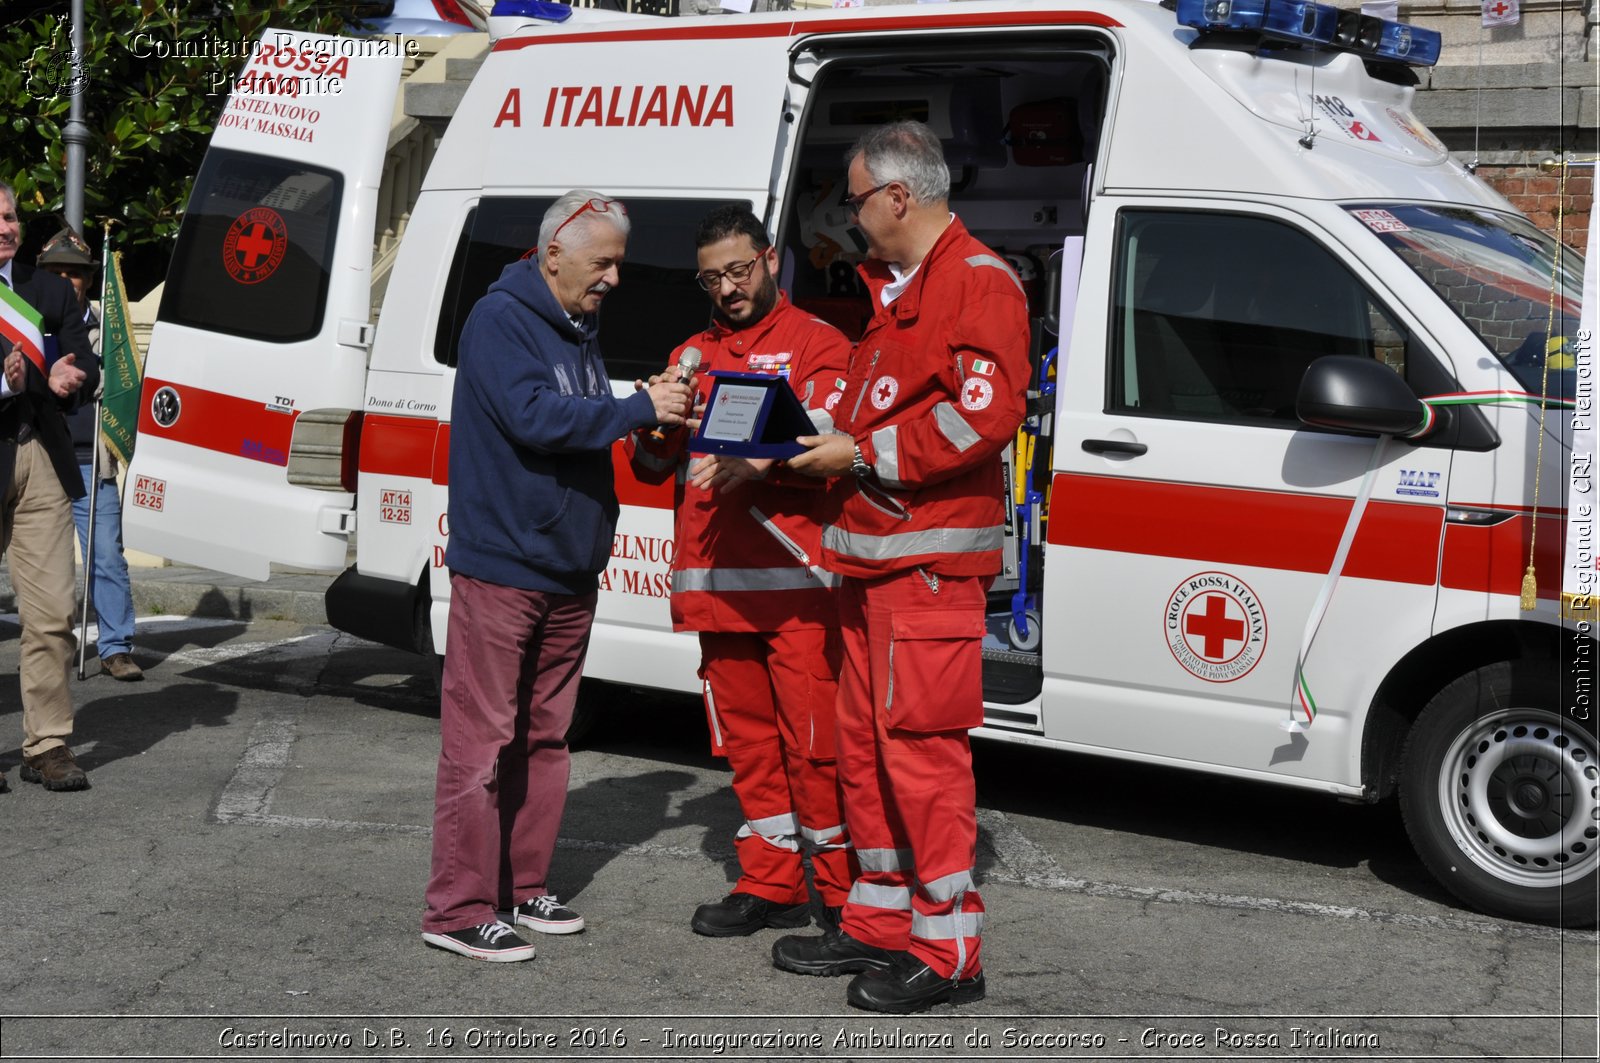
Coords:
254,250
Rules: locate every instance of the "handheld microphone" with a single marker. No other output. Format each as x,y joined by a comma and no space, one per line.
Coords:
688,362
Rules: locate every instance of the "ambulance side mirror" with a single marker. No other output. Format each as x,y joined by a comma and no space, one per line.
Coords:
1357,395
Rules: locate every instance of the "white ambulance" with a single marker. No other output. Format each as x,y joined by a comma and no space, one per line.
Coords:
1247,262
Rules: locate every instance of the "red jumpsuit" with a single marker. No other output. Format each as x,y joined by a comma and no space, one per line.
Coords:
747,575
935,391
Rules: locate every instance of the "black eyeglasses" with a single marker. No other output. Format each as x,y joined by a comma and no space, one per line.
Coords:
711,279
854,203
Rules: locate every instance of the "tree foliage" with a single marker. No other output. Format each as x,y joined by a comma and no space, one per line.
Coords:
154,77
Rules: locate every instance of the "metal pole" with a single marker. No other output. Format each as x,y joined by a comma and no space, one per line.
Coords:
75,134
88,541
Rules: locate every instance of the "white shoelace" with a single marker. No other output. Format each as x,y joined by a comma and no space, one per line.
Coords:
493,932
546,904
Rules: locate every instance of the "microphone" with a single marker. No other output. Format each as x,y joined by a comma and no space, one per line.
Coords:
688,362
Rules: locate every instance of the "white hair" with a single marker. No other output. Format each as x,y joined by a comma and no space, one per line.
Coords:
908,152
566,209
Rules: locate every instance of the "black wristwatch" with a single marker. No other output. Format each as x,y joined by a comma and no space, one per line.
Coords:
859,467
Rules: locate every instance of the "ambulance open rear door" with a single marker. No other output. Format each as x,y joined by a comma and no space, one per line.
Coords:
264,319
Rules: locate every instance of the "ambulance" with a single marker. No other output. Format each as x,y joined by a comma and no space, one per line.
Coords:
1295,437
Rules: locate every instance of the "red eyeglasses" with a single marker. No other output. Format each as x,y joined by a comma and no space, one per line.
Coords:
599,206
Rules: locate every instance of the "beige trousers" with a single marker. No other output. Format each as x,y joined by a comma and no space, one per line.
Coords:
36,536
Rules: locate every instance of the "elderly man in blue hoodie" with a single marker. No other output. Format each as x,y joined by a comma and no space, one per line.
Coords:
532,510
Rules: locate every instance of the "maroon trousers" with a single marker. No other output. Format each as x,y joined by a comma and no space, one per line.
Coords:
512,664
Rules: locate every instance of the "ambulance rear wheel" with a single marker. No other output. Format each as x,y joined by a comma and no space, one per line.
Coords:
1498,789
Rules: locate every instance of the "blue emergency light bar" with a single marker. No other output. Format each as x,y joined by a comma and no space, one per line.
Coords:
1307,22
544,10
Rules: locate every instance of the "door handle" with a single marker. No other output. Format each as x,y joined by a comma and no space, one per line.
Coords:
1114,446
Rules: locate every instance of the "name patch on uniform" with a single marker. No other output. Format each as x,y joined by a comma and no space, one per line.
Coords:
763,362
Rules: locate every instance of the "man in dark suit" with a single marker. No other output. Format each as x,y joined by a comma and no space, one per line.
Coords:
38,478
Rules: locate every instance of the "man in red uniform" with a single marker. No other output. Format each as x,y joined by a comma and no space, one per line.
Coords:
934,392
746,574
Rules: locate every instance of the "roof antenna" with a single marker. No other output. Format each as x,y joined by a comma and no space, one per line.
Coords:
1309,140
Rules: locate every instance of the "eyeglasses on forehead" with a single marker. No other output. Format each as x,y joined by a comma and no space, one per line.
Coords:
598,205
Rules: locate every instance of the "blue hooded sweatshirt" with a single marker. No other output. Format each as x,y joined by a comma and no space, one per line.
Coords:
532,500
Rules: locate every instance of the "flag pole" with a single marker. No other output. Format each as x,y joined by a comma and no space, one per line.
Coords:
94,483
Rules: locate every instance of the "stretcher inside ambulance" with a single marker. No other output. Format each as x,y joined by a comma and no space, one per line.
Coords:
1238,541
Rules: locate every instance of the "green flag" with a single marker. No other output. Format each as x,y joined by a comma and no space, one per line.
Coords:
120,365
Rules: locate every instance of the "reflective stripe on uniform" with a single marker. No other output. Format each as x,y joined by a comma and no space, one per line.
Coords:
884,859
951,927
948,887
872,895
953,427
787,578
886,456
827,837
912,544
999,264
771,830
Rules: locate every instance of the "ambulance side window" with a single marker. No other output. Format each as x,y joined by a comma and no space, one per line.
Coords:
1217,316
656,305
253,253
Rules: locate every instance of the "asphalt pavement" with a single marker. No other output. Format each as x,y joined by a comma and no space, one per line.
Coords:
244,880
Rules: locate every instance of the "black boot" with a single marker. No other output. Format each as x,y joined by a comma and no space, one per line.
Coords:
911,986
832,953
739,914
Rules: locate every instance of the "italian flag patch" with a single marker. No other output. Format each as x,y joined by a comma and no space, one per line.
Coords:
982,367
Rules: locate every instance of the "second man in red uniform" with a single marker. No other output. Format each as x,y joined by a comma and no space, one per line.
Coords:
747,576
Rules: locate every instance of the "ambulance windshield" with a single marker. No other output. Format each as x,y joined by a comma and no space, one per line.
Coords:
1504,278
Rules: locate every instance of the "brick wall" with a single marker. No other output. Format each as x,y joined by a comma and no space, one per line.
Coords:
1539,194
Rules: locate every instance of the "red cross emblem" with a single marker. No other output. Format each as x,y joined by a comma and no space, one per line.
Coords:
884,390
1499,10
255,245
1214,627
976,393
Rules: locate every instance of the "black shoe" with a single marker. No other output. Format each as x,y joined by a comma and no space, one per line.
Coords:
739,914
911,986
4,786
495,942
830,954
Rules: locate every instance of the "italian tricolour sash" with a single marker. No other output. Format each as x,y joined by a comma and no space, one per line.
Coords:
20,323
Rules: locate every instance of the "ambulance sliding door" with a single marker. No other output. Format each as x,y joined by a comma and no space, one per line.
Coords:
264,318
674,117
1195,521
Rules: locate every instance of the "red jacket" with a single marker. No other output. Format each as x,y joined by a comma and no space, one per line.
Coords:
936,389
751,559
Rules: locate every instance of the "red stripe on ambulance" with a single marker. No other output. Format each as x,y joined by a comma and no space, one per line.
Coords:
1493,559
226,424
1398,542
734,30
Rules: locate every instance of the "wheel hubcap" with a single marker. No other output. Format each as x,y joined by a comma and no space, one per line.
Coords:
1520,792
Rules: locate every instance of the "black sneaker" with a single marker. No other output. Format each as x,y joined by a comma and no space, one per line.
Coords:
547,915
832,953
496,942
911,986
739,914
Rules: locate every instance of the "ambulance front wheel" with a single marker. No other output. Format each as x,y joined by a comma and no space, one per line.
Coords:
1498,788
